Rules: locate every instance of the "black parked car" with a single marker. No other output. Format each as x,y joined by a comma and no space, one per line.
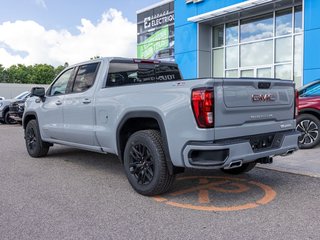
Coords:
4,107
16,110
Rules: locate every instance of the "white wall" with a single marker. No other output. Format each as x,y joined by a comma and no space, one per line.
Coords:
10,90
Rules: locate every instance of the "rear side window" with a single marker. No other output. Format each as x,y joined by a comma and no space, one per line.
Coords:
123,73
85,77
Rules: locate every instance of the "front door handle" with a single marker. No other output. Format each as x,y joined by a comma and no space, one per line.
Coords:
58,102
86,101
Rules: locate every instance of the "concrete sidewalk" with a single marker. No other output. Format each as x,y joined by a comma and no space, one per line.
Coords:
304,162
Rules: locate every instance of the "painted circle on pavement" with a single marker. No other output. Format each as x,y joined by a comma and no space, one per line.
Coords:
218,193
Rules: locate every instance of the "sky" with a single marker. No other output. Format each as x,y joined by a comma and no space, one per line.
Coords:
59,31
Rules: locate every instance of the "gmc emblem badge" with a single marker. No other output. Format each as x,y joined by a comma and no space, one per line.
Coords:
262,98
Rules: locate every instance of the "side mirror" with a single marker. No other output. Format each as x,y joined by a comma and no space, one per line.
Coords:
38,92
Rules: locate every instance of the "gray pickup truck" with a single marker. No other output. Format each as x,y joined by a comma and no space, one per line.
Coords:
158,124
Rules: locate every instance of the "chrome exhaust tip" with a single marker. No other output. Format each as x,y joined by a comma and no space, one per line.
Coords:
234,164
289,152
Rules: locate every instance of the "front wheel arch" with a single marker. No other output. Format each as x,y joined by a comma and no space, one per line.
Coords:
28,117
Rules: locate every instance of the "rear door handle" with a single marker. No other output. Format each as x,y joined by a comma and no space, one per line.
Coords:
58,102
86,101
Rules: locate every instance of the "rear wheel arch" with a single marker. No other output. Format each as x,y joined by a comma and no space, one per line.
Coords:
310,111
141,120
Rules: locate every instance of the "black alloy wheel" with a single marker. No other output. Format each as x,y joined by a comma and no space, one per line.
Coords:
34,144
145,163
309,126
31,139
141,164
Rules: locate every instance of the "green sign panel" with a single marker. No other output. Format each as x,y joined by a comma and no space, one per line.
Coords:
158,41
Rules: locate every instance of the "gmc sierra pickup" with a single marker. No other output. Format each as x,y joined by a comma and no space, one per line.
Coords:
158,124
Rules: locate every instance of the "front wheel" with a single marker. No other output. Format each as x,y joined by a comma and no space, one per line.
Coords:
35,146
246,167
145,163
309,126
8,119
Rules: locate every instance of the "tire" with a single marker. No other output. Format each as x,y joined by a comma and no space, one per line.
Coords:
309,126
8,119
246,167
145,163
35,146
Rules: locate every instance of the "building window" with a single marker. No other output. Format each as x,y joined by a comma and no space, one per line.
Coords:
267,46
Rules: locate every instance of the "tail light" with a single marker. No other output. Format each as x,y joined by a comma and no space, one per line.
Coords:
296,104
202,105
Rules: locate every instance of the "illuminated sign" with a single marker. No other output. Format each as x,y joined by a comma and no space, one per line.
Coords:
158,20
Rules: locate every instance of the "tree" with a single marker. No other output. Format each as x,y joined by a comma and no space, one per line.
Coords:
42,74
36,74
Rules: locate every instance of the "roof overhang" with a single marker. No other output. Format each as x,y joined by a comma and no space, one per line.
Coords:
230,9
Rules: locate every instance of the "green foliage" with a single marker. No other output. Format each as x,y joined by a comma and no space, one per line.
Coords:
35,74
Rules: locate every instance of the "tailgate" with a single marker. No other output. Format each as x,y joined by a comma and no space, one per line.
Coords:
245,101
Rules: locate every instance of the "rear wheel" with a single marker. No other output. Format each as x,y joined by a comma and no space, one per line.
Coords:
35,146
8,119
246,167
145,163
309,126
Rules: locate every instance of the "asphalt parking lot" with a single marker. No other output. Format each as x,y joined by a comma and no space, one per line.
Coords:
73,194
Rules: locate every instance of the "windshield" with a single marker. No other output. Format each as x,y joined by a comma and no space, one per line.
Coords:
311,91
22,95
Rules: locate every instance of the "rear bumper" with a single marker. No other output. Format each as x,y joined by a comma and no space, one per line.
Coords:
205,155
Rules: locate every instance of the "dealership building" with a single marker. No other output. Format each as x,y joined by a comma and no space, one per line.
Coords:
234,38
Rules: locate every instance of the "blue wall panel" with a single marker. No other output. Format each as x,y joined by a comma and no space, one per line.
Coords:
311,63
310,75
182,12
209,5
188,64
312,49
311,14
187,38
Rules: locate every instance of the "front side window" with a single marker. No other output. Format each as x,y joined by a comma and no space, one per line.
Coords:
60,86
85,77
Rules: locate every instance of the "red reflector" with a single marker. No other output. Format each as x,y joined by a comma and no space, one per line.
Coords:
296,104
202,105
